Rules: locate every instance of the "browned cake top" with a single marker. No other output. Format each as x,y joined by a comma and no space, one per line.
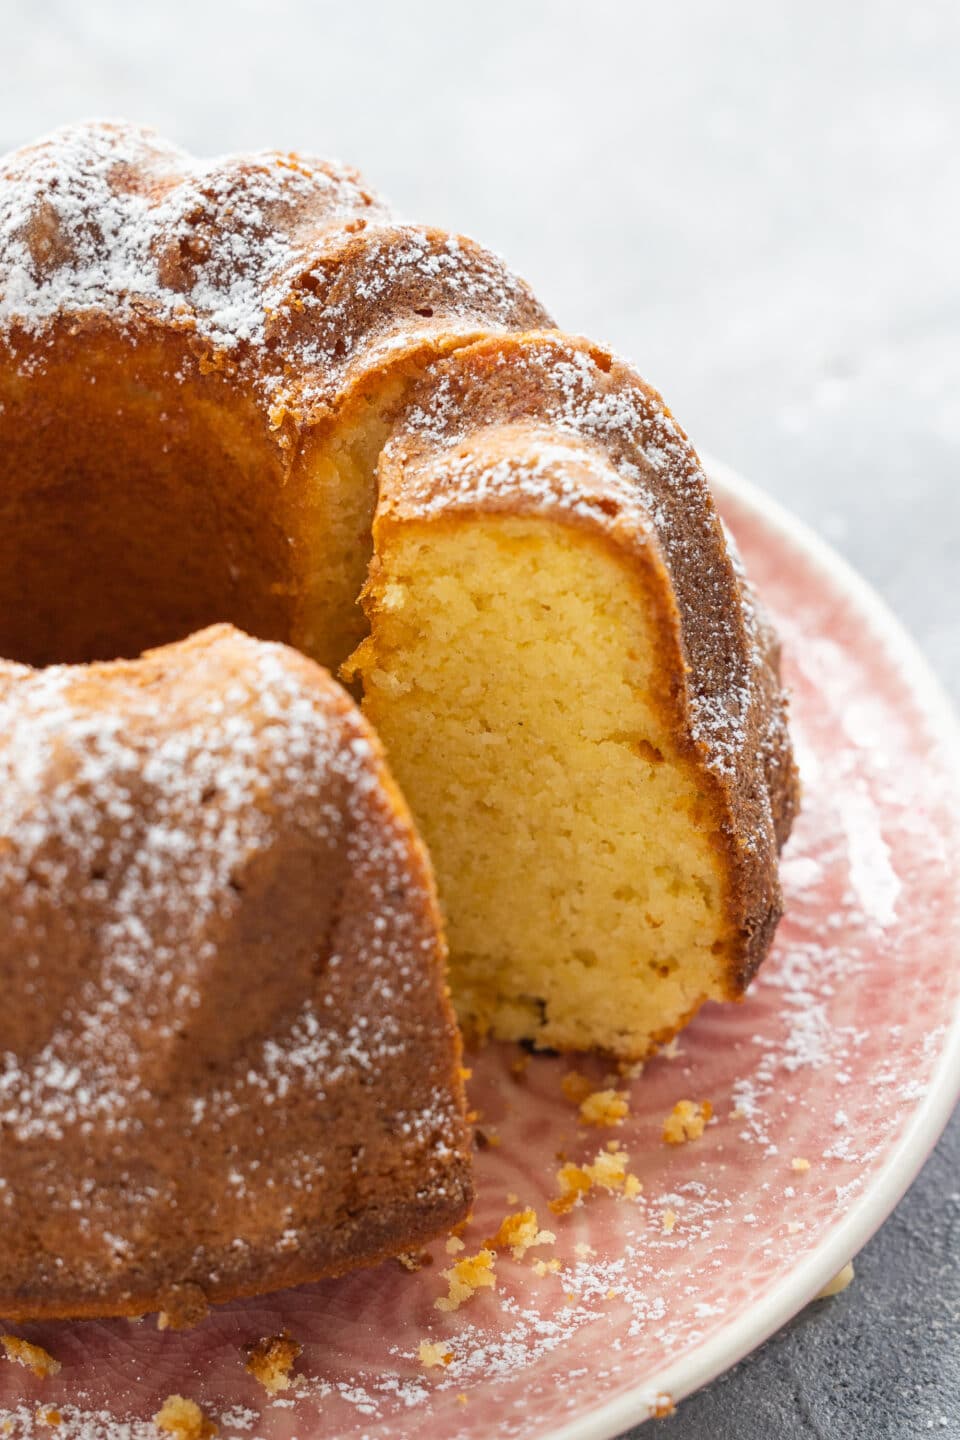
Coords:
228,1047
219,804
281,266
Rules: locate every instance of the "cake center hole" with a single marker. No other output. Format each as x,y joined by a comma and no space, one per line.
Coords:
134,508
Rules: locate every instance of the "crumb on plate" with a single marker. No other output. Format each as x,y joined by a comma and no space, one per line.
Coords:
686,1121
434,1352
271,1359
546,1267
466,1277
604,1107
33,1357
608,1171
183,1419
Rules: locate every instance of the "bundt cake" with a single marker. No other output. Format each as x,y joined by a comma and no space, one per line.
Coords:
228,1060
242,390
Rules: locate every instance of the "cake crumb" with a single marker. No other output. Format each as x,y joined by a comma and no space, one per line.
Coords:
512,1197
183,1419
604,1107
608,1171
576,1087
454,1245
271,1359
583,1249
472,1273
32,1357
519,1233
414,1260
662,1407
669,1221
686,1121
546,1267
433,1353
50,1418
797,1163
839,1282
461,1398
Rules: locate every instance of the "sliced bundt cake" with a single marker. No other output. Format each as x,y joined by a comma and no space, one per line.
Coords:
220,926
578,697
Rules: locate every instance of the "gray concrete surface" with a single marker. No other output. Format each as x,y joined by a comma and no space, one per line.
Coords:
760,204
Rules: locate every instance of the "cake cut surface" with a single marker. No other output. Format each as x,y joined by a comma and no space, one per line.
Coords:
578,697
241,390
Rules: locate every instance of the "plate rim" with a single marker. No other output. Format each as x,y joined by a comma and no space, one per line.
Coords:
806,1278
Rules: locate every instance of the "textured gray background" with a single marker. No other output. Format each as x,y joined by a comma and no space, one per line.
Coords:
759,202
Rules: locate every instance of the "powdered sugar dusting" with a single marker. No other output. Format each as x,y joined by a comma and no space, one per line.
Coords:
157,795
282,268
546,424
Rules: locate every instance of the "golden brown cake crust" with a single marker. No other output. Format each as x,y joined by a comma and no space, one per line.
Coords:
252,1077
281,271
544,424
228,322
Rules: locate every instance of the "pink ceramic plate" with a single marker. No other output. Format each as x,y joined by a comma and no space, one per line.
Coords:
829,1086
